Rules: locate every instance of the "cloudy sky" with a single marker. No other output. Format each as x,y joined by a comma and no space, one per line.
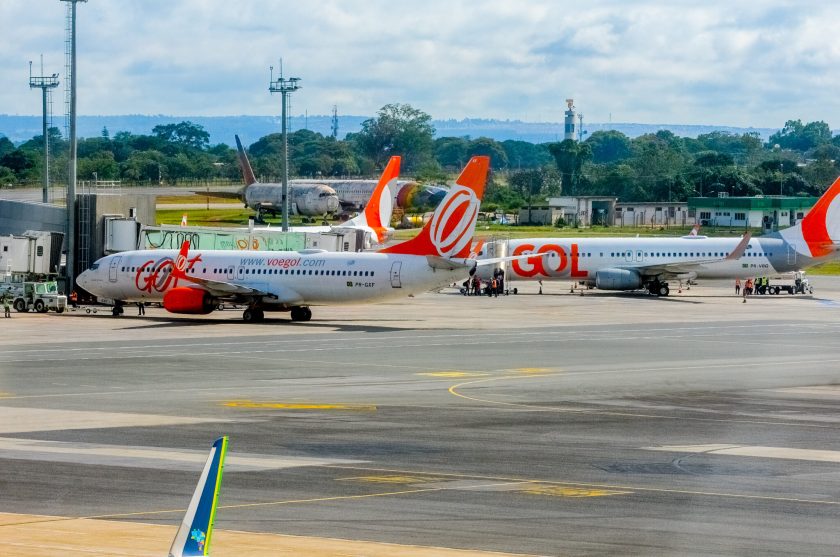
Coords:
712,62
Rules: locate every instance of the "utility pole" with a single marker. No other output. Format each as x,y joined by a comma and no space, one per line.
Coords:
45,83
285,87
71,174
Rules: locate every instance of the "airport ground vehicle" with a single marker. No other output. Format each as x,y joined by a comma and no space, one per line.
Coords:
800,285
38,296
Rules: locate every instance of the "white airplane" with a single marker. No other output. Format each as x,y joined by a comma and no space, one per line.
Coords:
196,282
304,199
196,530
649,263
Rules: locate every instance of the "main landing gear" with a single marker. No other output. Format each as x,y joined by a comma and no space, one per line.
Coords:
117,310
253,315
301,313
658,288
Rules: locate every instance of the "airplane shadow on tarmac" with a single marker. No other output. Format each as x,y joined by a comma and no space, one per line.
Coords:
166,323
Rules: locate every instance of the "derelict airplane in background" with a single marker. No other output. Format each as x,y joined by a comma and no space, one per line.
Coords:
196,282
319,197
634,263
304,199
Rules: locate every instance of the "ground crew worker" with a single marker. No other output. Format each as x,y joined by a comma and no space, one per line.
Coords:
141,308
6,308
737,286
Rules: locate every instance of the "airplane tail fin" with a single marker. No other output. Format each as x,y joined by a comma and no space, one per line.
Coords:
380,207
180,264
194,534
449,232
820,229
247,172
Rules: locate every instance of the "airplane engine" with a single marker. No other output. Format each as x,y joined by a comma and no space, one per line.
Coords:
618,279
188,300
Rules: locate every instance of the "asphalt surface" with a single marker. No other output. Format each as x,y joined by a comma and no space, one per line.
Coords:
552,424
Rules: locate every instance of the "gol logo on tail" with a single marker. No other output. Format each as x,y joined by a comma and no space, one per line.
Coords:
451,223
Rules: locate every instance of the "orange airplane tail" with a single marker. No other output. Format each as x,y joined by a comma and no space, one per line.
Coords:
449,232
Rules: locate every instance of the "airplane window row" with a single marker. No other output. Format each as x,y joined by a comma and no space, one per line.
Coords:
332,273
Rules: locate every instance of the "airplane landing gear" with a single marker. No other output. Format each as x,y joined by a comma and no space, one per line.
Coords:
253,315
658,288
301,313
118,310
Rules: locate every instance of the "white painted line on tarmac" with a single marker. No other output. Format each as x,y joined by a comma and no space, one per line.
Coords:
150,457
814,455
22,420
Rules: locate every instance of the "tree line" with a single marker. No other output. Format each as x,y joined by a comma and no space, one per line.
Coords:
801,159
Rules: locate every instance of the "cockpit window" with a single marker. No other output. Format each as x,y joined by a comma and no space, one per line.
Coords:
94,267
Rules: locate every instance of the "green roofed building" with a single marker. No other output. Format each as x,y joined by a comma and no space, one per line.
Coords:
766,212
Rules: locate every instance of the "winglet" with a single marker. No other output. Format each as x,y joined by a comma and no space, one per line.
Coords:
194,534
180,265
694,230
244,165
450,230
740,248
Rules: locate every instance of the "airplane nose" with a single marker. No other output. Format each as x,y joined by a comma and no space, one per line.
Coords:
83,280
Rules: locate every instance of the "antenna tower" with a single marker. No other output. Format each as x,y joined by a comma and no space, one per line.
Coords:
334,126
45,83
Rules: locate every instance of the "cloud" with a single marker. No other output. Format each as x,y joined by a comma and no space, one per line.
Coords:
646,61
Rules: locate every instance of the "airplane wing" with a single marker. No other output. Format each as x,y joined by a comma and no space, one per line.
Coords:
470,262
685,267
221,289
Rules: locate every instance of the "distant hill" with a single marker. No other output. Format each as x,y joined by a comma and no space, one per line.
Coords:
251,128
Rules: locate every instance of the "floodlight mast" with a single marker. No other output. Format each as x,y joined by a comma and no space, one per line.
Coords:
44,83
285,87
70,265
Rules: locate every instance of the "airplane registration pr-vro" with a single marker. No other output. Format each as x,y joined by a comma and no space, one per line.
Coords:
635,263
196,282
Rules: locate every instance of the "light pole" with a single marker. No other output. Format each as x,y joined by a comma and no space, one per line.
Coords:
778,150
284,87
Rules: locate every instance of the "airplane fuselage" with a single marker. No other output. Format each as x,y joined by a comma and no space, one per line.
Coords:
580,259
303,278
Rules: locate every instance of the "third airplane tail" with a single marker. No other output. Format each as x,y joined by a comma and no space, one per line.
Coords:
449,232
380,207
247,172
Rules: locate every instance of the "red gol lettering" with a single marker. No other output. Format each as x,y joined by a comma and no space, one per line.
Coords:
576,271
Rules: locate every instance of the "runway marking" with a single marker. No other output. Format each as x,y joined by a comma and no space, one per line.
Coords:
452,374
298,406
561,491
156,458
532,370
813,455
5,394
391,479
588,485
22,420
453,390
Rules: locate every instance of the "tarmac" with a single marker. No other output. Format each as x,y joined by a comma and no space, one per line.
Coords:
552,424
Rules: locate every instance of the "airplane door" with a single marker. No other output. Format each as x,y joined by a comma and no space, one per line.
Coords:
112,271
628,255
791,259
395,274
240,273
229,273
640,256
